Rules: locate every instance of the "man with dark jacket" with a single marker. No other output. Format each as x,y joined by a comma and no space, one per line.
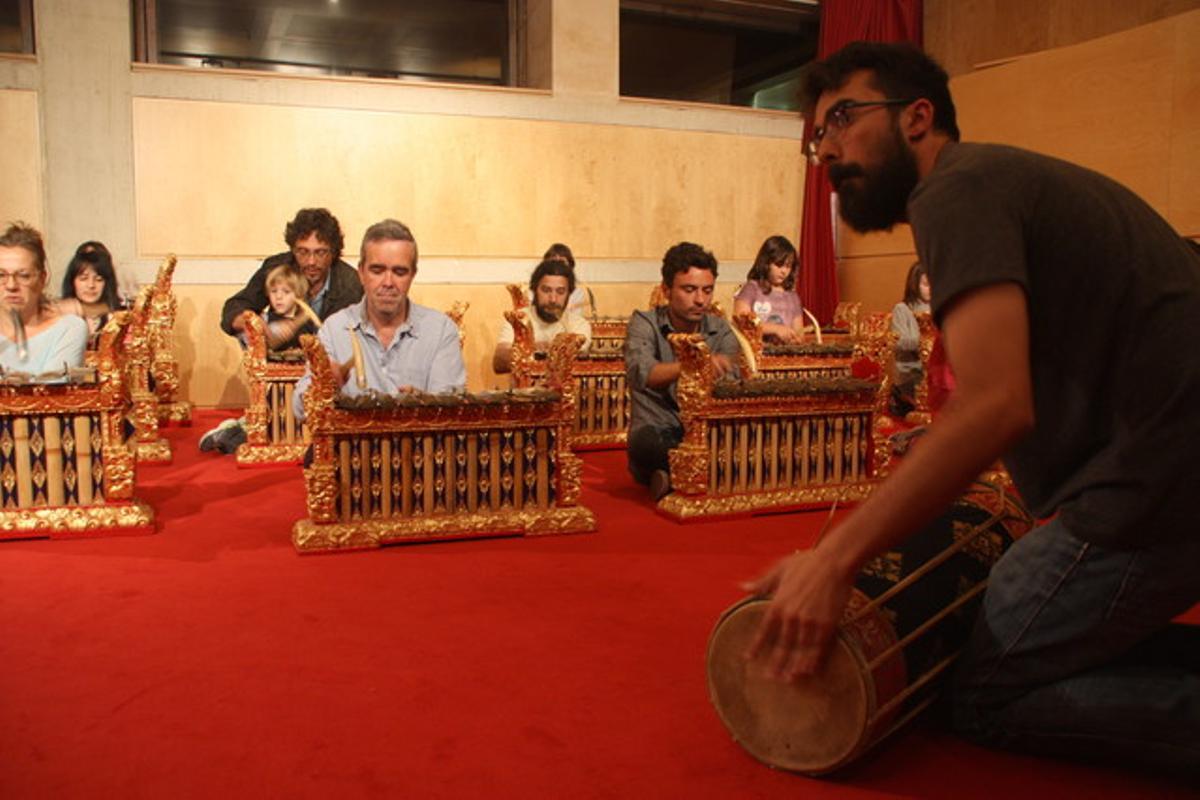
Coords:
314,241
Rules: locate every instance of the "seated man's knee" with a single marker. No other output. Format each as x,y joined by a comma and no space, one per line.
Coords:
647,450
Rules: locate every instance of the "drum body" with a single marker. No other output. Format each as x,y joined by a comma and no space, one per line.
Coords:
909,614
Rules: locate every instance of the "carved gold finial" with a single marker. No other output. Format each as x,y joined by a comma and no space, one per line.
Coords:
456,312
111,357
256,337
523,345
697,374
561,359
323,389
848,315
519,298
163,366
144,411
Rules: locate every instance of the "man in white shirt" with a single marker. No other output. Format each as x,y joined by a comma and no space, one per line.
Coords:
552,284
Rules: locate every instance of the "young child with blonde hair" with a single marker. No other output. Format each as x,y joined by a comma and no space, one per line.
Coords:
288,316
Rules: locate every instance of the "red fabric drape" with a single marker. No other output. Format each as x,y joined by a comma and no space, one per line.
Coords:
843,21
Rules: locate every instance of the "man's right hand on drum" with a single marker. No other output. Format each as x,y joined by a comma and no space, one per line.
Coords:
809,591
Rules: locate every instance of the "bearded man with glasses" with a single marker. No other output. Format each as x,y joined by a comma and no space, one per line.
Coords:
1069,310
314,239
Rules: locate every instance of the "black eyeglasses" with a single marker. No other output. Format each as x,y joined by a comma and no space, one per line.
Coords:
838,118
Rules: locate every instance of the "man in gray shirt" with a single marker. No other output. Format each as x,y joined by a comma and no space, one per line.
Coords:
406,347
1068,307
689,274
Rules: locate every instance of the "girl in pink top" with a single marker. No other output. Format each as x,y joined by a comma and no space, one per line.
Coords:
770,292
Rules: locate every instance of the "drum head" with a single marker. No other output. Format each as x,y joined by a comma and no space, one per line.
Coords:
813,726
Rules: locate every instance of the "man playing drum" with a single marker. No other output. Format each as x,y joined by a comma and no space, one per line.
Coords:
1069,309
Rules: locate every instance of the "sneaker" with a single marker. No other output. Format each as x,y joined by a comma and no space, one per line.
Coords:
660,484
209,440
231,438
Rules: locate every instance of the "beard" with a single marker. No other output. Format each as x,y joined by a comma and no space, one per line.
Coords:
879,199
549,313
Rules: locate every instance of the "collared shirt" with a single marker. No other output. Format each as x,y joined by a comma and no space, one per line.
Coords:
424,353
544,332
646,345
318,302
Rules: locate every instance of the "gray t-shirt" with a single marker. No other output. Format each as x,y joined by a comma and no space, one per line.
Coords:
1114,315
646,345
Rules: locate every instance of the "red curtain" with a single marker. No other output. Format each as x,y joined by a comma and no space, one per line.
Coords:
842,22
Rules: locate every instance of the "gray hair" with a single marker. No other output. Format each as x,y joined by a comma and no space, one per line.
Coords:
388,230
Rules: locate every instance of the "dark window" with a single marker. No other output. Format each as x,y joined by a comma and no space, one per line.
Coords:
16,26
465,41
733,52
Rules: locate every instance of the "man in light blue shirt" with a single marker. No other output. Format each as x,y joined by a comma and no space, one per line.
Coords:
406,347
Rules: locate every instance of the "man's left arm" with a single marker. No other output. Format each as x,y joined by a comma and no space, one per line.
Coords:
447,373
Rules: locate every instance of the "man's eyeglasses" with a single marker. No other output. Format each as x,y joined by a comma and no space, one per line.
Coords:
838,118
320,254
23,278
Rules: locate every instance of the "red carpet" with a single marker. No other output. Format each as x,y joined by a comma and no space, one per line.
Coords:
210,660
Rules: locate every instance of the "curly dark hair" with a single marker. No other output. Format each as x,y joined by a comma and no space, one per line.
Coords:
775,250
552,266
95,255
320,222
683,257
897,70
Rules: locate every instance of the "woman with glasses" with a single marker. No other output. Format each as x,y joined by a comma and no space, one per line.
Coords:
89,289
36,339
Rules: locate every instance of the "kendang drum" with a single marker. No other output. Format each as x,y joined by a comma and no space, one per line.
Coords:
910,613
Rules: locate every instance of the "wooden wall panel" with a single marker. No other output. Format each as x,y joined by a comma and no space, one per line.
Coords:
20,158
962,34
1183,165
1120,105
219,179
876,281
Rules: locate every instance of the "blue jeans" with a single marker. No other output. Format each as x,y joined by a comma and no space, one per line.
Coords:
1074,654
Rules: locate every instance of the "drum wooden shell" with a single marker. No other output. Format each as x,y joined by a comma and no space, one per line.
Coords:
908,616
